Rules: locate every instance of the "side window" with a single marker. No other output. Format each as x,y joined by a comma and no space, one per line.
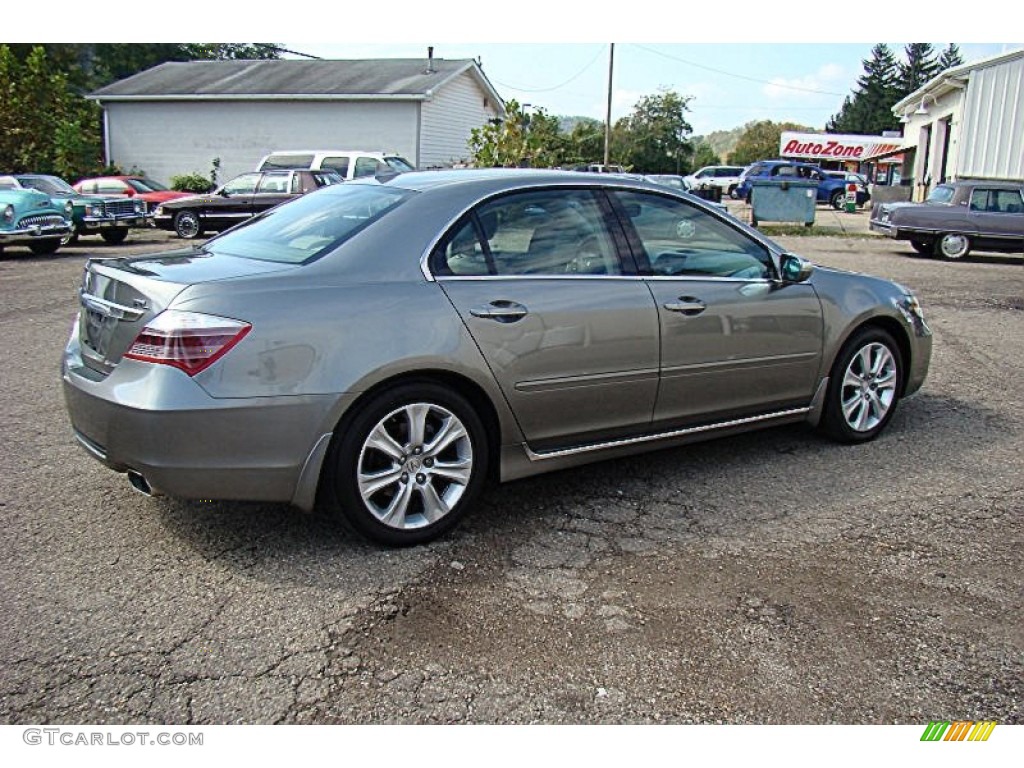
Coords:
1006,201
979,199
89,188
683,240
705,173
243,185
339,164
111,188
551,232
275,183
366,166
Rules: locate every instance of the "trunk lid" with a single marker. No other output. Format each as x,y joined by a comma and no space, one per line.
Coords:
119,296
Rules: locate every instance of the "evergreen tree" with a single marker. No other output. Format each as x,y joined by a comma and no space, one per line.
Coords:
920,67
869,109
950,57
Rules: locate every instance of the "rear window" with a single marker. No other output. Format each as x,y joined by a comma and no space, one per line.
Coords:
940,194
399,164
309,226
286,162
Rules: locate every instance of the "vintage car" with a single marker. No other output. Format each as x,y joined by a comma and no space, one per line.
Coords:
239,200
958,217
153,193
108,217
33,219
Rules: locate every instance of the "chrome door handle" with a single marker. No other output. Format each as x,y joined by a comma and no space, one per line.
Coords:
686,305
501,310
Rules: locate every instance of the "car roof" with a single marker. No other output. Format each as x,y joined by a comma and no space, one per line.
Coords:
990,183
500,178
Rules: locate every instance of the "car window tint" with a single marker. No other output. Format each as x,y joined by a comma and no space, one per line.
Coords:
287,161
463,254
552,232
683,240
1005,201
275,183
366,166
111,188
243,185
339,164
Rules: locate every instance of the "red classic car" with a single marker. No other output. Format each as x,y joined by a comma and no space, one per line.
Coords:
152,192
958,217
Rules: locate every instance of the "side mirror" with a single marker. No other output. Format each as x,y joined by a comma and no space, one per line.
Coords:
794,269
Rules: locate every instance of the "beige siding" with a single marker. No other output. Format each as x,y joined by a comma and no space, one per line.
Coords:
167,139
447,119
993,123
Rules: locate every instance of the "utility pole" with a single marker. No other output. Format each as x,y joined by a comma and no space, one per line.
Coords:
608,114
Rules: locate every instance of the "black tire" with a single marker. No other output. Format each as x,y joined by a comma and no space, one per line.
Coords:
924,247
732,192
952,246
410,482
858,407
187,225
70,238
114,236
45,247
838,200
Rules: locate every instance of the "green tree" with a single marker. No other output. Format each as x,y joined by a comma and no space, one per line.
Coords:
920,67
705,155
585,143
869,109
653,137
760,141
518,140
950,57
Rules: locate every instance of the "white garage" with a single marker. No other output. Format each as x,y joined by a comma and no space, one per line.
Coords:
178,117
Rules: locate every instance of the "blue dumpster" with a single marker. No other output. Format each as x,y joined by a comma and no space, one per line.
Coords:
790,201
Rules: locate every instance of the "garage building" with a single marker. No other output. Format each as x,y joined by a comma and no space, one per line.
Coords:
178,117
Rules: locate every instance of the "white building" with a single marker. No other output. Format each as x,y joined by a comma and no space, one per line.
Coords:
178,117
966,122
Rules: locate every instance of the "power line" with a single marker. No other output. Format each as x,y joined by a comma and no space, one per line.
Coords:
556,87
738,77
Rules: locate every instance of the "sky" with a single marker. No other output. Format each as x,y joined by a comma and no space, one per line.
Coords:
738,61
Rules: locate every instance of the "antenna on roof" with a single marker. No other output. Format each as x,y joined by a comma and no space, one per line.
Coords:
430,60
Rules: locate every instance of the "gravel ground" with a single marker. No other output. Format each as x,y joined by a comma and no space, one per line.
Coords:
774,577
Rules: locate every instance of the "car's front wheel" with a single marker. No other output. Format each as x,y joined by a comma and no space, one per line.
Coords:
732,192
924,247
186,225
953,246
408,464
864,387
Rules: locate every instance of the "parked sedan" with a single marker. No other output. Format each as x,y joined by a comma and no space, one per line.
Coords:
32,219
109,217
958,217
152,193
240,199
386,347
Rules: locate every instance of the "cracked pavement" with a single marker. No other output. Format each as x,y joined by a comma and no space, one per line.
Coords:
773,577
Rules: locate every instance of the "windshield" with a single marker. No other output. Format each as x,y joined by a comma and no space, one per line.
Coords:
145,185
51,185
309,226
399,164
940,194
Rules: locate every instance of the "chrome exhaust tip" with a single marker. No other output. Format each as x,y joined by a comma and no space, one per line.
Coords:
140,484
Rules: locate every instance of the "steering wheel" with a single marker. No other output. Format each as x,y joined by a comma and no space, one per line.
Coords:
589,260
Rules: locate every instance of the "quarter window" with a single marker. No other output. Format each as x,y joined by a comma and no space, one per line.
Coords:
339,164
680,239
366,166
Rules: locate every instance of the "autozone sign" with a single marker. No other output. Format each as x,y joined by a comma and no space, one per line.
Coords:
821,146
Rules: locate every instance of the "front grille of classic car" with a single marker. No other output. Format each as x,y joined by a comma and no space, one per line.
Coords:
51,220
119,207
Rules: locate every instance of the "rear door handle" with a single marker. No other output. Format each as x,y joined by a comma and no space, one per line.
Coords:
501,310
686,305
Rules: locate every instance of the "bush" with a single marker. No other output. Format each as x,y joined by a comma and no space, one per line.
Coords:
191,182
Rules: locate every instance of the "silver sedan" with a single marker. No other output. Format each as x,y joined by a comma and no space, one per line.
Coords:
386,347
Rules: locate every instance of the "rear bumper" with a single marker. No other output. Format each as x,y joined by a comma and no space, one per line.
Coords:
156,421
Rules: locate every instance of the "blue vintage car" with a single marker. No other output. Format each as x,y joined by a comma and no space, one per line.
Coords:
110,217
32,218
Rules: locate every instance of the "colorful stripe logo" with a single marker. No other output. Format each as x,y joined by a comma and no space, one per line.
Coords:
958,730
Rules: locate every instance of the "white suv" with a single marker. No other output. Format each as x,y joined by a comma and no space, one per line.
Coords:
350,164
726,177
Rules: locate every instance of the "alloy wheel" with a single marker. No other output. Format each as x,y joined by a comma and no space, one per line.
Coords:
869,387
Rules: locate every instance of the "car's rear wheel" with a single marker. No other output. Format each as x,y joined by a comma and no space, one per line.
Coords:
45,247
864,387
114,236
187,225
732,192
924,247
838,200
408,464
953,246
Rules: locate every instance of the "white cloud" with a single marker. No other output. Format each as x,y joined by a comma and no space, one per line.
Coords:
831,78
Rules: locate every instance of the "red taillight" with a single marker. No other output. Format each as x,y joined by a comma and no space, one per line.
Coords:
187,340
